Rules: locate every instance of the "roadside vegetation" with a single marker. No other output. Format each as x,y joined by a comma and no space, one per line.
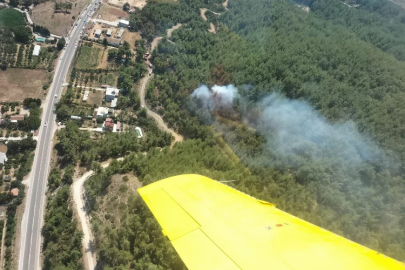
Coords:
20,156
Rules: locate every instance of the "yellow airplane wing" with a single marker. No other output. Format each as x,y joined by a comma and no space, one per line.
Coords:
213,226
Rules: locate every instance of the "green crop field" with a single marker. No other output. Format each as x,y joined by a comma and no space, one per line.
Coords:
10,17
89,57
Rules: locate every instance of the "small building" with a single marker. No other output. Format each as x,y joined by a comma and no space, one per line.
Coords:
123,23
97,33
15,192
114,103
3,158
109,33
102,112
120,33
7,178
36,51
74,117
109,124
111,93
113,41
138,131
16,118
86,95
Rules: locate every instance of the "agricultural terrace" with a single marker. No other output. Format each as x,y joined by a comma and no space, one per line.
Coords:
92,56
10,17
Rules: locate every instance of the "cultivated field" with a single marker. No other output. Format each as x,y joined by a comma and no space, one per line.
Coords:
89,57
17,84
57,23
110,13
10,17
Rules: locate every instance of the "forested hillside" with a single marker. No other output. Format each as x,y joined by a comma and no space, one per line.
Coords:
346,72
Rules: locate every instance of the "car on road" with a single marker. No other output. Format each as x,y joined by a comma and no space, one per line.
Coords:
76,24
45,124
56,96
59,123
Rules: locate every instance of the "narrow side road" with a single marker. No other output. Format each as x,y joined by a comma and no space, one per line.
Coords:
80,202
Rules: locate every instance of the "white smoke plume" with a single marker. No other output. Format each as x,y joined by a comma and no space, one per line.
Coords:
293,129
217,96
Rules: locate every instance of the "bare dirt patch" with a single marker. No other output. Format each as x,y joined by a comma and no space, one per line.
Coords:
95,98
131,37
3,148
110,13
132,3
57,23
17,84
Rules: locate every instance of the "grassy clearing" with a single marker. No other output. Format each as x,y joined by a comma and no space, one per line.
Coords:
89,57
10,17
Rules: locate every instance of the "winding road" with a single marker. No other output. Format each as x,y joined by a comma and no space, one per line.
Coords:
142,91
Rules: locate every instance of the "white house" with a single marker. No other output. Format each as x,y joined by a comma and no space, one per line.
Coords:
111,93
36,51
109,33
123,23
103,112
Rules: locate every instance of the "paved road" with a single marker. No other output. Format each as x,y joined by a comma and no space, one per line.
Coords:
30,245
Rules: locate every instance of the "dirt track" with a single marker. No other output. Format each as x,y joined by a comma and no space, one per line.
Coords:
142,90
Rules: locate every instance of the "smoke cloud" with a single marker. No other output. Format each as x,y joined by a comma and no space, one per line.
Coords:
293,129
217,96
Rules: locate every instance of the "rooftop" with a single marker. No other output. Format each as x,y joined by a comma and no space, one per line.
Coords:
15,192
3,158
37,48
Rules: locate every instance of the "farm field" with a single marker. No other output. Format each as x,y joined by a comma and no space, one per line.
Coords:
10,17
17,84
57,23
110,13
90,79
89,57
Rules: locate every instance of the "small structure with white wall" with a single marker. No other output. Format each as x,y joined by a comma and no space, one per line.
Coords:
97,33
36,51
3,158
111,93
114,103
120,33
86,95
123,23
74,117
102,112
109,33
